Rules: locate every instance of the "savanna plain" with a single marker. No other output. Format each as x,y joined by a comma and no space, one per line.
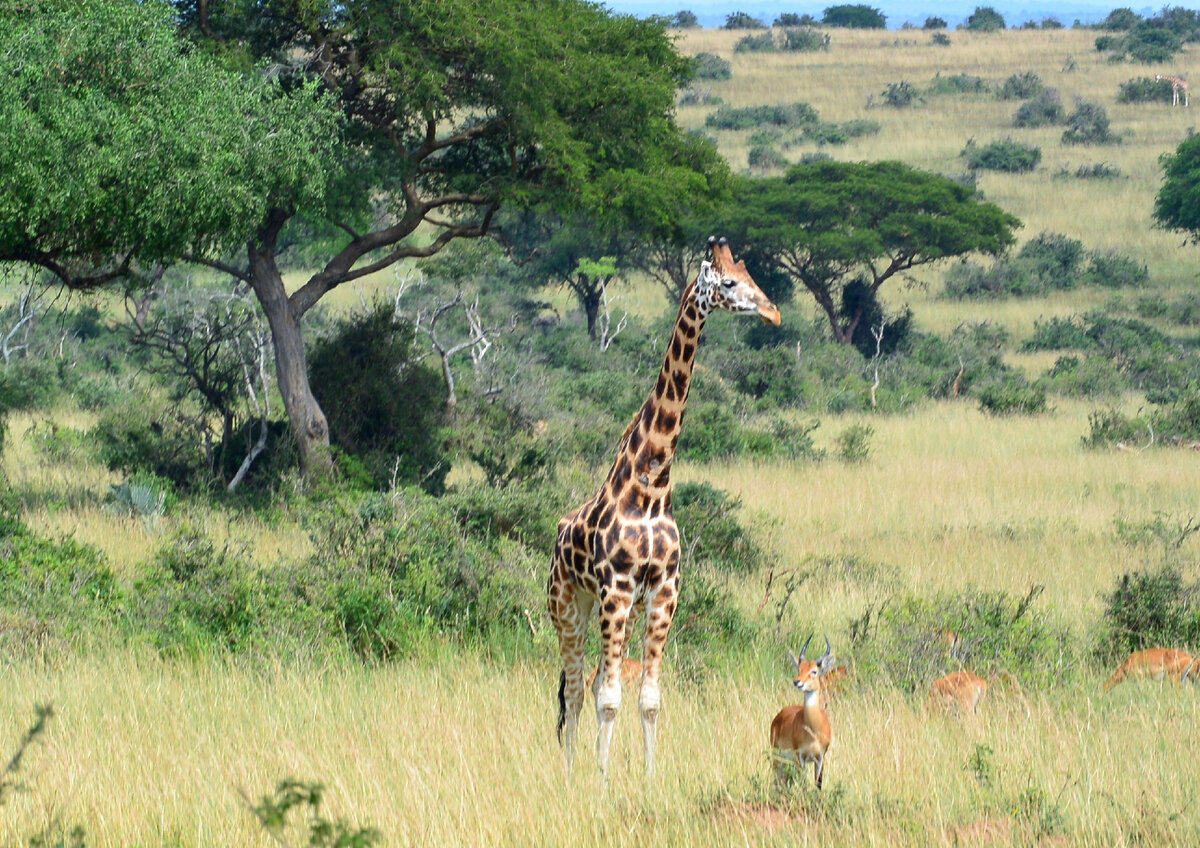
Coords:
456,746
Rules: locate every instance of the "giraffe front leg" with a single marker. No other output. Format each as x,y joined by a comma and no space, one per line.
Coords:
659,614
613,621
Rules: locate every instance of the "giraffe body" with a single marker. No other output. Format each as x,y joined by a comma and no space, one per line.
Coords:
1178,84
620,549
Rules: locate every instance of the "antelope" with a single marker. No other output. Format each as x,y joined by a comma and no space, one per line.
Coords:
959,689
631,671
802,730
1156,664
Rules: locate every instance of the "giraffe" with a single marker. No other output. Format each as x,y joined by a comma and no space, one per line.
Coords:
621,547
1178,84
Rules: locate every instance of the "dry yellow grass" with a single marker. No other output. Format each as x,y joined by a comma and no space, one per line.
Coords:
146,753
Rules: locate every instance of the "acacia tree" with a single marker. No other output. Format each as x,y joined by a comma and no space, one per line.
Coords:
1177,204
429,116
830,226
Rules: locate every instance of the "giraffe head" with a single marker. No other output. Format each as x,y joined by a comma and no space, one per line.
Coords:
726,284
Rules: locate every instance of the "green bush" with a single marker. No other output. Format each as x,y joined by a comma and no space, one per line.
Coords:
1041,110
1144,90
1120,20
1009,156
789,116
1021,86
1091,377
1094,171
764,157
1058,334
755,43
383,407
854,443
1012,396
1147,610
854,16
997,632
710,66
804,40
956,84
935,23
940,39
709,527
742,20
1089,124
1111,269
900,95
985,19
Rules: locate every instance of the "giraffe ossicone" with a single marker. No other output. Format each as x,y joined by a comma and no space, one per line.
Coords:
619,550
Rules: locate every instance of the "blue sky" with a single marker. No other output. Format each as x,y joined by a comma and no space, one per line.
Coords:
1016,12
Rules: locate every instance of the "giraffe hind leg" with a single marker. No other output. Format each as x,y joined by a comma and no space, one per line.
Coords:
570,611
659,614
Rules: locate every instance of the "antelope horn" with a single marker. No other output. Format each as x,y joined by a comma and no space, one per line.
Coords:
804,650
828,647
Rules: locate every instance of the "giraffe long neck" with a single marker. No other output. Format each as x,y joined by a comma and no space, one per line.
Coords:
648,447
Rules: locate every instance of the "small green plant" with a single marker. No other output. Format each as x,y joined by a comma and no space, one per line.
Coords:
804,40
755,43
940,39
854,443
956,84
981,764
1094,171
273,812
765,157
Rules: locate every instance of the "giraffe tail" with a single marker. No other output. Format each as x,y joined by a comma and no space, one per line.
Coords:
562,703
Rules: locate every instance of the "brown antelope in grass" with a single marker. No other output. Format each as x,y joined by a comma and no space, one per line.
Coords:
960,690
631,672
802,731
1156,664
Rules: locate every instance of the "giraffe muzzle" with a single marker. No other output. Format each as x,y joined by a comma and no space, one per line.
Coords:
769,313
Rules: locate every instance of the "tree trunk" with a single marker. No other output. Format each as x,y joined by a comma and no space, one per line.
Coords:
591,308
309,426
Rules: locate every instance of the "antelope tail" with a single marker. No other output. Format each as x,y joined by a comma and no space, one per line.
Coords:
1117,677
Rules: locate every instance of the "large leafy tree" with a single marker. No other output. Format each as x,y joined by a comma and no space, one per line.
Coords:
446,109
452,108
837,227
1177,205
122,150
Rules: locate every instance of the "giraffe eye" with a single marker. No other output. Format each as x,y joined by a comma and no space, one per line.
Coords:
727,283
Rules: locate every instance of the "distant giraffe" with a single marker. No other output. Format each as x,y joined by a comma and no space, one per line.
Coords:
1178,84
621,547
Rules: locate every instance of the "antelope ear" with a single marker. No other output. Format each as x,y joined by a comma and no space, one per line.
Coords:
795,661
827,662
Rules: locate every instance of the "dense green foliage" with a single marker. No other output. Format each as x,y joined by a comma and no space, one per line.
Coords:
152,138
1176,206
985,19
898,218
854,16
1006,155
1047,262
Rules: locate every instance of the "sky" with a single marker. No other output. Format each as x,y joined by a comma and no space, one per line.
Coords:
1015,12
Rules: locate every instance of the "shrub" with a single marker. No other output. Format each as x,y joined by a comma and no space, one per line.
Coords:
742,20
1094,171
1012,396
1021,86
901,94
985,19
382,406
683,19
1006,155
940,39
1111,269
1149,609
710,66
1120,20
709,527
935,23
1144,90
1151,44
765,158
804,39
791,115
761,43
1088,124
956,84
1058,334
997,631
1042,110
855,16
1053,259
854,443
1093,376
791,19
